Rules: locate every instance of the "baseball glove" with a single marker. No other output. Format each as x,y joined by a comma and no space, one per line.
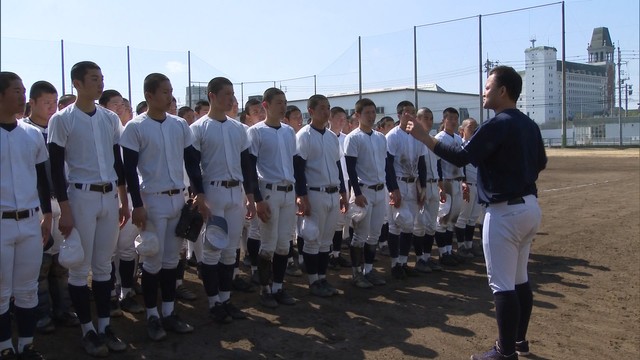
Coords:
190,222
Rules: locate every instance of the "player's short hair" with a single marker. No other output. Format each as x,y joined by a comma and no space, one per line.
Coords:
107,95
337,110
450,110
362,103
79,70
291,109
401,105
41,87
6,77
243,117
141,107
509,78
424,110
183,111
270,93
66,99
314,100
152,82
384,120
216,84
200,104
251,102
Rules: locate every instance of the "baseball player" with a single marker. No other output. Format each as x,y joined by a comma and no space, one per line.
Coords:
425,230
471,209
53,296
253,113
24,189
368,167
509,153
293,118
201,108
337,121
228,177
155,144
123,263
273,146
450,183
66,100
319,181
85,137
410,168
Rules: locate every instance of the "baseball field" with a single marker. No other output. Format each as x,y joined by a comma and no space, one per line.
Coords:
584,269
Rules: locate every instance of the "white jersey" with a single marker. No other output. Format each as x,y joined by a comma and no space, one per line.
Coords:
274,148
21,149
431,160
220,143
406,151
471,172
321,150
160,147
88,142
371,151
450,171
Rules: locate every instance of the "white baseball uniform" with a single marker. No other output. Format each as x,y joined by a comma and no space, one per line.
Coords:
452,177
371,151
221,143
274,149
21,149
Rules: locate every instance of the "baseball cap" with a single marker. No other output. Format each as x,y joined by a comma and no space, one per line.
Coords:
147,243
402,217
309,229
71,252
444,207
217,233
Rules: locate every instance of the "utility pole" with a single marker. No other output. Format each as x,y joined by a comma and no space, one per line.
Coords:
619,96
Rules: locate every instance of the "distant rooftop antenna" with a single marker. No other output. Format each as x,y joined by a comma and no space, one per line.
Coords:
533,41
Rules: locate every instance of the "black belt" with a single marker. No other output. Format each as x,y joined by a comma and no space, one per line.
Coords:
455,179
432,180
172,192
514,201
407,179
226,183
327,189
19,215
101,188
285,188
376,187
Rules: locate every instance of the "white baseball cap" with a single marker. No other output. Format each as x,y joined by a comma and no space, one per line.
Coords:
444,207
71,252
217,232
147,243
402,217
309,229
356,213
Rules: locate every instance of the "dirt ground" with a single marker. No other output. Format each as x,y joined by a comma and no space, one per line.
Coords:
584,269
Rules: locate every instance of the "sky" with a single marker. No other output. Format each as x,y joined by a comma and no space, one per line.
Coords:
301,46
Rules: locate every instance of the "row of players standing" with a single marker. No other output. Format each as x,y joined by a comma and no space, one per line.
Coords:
230,168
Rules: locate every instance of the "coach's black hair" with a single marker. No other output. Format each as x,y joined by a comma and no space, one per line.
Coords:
41,87
79,70
152,82
270,93
509,78
6,77
107,95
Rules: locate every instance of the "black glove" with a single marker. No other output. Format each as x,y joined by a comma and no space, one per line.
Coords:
190,222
